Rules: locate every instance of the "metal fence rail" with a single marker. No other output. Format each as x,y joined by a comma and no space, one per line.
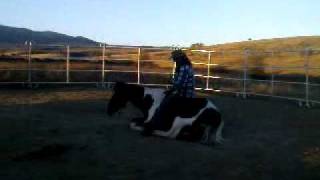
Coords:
208,77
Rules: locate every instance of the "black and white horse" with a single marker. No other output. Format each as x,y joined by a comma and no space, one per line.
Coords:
191,119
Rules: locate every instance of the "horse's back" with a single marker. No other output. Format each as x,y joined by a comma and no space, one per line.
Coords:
186,107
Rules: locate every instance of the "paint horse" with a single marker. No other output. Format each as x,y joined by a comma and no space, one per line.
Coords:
191,119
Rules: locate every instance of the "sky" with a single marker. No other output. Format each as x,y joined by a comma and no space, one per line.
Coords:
166,22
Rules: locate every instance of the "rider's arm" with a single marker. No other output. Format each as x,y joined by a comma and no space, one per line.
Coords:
180,78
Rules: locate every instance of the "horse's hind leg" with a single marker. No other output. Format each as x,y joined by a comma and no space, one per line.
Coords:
219,139
206,136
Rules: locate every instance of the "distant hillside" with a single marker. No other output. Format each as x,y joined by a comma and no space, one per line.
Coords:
292,43
12,36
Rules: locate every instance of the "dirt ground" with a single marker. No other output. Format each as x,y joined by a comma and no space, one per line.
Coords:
66,134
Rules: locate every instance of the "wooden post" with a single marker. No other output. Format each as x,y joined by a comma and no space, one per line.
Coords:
208,71
103,65
245,69
29,64
68,65
174,65
139,56
272,75
306,69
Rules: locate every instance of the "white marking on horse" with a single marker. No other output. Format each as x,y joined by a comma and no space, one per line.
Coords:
179,123
211,105
157,97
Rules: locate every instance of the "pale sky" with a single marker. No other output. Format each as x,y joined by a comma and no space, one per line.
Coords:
166,22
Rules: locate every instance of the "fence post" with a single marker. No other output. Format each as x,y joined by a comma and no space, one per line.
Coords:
103,65
26,48
306,69
139,56
68,65
174,69
272,75
245,69
208,72
29,64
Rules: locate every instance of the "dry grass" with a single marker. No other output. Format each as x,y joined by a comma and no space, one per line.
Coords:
227,54
231,55
25,97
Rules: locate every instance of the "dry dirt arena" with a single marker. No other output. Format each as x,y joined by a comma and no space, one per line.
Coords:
66,134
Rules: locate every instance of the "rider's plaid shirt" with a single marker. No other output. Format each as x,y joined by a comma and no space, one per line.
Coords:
184,81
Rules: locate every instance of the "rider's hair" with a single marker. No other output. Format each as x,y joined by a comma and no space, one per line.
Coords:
180,57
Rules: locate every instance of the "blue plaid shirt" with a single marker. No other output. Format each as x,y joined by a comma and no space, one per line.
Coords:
184,81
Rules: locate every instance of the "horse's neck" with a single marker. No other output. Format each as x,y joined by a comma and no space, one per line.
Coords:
145,98
136,95
156,94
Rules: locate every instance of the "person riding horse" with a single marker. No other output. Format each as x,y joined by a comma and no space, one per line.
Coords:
183,87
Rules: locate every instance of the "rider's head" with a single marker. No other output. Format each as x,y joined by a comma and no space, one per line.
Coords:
179,57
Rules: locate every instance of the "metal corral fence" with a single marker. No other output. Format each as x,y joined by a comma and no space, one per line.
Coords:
212,75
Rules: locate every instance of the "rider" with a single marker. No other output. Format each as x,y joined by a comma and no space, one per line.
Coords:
183,86
183,82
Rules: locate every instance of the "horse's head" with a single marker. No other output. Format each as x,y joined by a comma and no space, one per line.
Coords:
119,98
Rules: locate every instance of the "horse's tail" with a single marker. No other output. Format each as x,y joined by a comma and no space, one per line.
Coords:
217,115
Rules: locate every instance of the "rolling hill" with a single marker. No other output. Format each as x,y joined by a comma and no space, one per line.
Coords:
13,36
292,43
